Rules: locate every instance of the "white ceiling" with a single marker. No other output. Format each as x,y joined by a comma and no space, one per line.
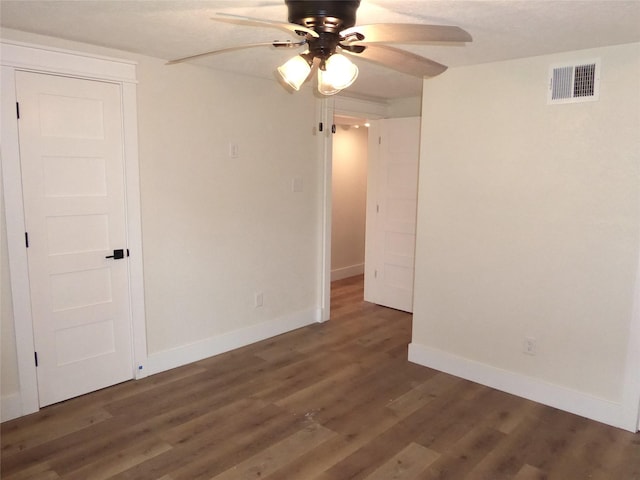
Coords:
169,29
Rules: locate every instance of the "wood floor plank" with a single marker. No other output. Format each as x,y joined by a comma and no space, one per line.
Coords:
324,392
46,428
462,457
356,431
123,390
406,464
509,411
205,462
115,443
372,397
527,472
370,456
110,464
243,411
555,441
37,471
278,455
55,450
215,384
203,450
331,401
425,392
297,376
442,432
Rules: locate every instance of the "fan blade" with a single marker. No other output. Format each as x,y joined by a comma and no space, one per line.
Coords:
292,27
286,44
400,60
404,33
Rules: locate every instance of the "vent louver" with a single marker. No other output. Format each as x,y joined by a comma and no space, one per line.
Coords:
574,83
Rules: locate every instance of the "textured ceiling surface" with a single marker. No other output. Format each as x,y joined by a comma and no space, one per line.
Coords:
169,29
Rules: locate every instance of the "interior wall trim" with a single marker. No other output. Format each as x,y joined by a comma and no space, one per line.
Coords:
346,272
26,56
573,401
209,347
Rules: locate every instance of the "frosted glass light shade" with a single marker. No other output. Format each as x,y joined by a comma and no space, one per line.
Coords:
339,73
325,87
295,71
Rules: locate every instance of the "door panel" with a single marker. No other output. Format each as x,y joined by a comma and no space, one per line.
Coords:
391,241
73,185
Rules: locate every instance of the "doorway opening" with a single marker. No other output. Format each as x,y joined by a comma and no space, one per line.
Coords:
349,197
349,209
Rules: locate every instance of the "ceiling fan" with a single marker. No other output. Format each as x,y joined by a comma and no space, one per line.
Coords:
327,29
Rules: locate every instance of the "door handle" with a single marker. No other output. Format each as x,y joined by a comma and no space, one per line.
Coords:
118,254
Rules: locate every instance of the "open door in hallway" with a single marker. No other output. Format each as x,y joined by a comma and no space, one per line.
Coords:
392,195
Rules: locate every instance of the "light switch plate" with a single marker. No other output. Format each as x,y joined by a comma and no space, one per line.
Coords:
234,150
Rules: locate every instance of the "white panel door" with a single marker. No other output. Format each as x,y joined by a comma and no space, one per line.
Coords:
392,238
71,146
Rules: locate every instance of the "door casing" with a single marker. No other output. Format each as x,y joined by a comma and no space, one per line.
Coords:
16,56
328,108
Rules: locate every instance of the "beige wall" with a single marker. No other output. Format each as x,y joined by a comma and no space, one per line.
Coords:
529,222
8,368
216,230
405,107
349,196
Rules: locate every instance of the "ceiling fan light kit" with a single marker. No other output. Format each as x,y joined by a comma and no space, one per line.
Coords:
339,72
296,70
334,74
328,30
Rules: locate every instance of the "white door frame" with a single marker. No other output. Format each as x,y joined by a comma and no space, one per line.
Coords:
324,117
329,107
34,58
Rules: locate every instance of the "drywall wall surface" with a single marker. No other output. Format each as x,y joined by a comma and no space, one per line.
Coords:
349,198
230,183
529,221
9,366
404,107
218,229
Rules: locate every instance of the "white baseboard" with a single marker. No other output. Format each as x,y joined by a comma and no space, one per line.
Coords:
176,357
10,406
346,272
573,401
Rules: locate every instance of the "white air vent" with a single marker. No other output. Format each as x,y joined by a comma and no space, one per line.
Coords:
579,82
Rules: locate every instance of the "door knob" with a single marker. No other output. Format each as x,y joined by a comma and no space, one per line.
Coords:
118,254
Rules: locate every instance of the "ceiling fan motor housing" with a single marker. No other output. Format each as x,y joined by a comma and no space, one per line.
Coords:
326,17
323,15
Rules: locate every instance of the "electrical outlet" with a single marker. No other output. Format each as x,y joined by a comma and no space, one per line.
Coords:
529,346
258,299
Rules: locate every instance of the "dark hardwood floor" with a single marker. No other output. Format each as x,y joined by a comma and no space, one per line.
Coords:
331,401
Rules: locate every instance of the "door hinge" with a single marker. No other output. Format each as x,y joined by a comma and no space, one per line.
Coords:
375,274
333,128
379,140
377,208
35,354
26,239
321,126
18,110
